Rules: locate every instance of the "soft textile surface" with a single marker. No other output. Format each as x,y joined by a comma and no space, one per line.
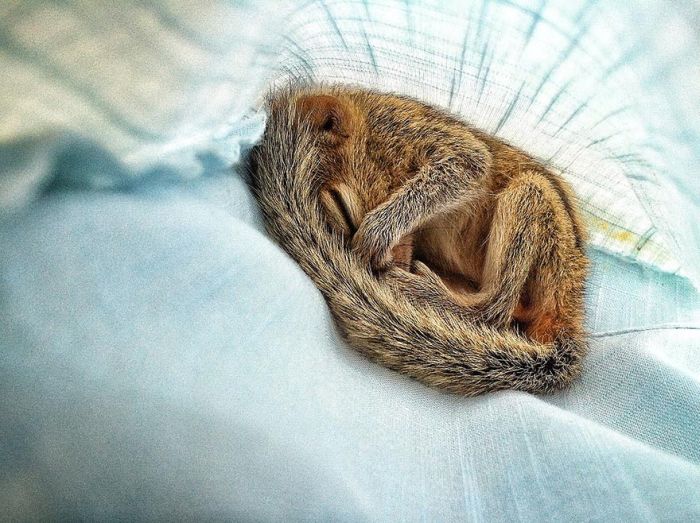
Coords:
159,84
160,357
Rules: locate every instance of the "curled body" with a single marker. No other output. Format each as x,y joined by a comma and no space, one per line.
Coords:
443,253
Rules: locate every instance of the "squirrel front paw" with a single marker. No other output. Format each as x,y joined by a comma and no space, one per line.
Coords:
373,245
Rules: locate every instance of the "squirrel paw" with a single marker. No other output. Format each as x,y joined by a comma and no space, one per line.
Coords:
373,246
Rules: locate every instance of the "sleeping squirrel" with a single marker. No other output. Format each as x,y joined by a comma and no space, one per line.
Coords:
443,252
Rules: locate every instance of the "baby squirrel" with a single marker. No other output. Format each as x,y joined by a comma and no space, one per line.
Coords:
443,252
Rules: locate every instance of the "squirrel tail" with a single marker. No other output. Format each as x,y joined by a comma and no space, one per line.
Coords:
436,349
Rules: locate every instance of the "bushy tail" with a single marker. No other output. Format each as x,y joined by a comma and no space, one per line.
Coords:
433,347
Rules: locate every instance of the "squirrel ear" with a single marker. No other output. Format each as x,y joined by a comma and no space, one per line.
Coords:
325,113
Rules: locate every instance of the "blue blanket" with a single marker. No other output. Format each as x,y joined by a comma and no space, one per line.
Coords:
162,358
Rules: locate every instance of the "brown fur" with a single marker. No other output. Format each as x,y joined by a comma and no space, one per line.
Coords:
361,188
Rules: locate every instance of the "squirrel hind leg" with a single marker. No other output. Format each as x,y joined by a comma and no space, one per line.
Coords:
530,268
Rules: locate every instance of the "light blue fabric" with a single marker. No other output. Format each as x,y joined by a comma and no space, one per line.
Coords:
157,84
160,357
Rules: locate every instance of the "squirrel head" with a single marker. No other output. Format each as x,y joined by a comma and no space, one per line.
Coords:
339,125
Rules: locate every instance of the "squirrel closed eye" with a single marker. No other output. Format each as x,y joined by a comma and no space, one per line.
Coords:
344,210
